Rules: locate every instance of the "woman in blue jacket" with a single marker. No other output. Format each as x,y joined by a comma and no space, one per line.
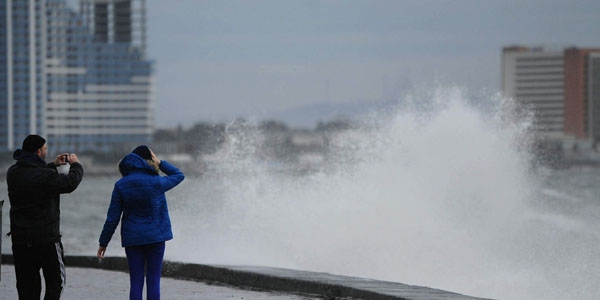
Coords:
138,199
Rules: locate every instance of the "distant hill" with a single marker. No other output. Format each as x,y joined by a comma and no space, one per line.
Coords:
309,115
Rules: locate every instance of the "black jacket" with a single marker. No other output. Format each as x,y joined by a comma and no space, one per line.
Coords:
34,189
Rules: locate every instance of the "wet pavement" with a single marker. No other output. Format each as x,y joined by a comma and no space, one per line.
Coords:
88,278
85,283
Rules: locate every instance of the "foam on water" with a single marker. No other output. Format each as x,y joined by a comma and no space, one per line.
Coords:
437,195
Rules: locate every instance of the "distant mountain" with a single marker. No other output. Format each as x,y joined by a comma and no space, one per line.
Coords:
309,115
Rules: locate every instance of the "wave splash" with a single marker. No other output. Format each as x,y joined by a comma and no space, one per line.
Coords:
435,191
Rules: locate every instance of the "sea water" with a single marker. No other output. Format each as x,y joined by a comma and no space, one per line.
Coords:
441,193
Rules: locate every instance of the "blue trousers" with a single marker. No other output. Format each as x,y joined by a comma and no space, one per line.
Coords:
145,262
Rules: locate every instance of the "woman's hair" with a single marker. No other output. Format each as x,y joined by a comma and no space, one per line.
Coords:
153,164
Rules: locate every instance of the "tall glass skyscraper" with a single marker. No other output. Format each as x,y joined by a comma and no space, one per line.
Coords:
80,78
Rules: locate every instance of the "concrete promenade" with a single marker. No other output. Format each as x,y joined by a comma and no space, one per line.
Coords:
89,278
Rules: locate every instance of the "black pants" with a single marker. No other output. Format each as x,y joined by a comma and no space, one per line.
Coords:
29,259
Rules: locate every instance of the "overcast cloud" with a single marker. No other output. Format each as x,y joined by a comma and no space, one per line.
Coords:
221,59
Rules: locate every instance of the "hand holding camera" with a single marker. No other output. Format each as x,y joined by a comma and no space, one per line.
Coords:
66,158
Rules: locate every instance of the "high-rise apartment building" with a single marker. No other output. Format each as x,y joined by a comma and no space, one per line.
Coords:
561,88
81,79
593,94
535,78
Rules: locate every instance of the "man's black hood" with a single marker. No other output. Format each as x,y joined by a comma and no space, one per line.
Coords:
28,157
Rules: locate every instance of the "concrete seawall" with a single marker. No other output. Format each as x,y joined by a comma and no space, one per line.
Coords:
326,286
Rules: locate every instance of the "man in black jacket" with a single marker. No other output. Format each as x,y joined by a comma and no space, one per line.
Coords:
34,189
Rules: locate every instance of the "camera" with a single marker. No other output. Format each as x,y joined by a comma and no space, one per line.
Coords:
66,158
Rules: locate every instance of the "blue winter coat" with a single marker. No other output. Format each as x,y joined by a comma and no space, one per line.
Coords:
140,198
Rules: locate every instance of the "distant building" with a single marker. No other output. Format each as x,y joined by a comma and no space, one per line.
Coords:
80,79
561,88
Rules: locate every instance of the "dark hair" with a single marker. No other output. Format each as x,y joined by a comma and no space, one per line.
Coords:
143,151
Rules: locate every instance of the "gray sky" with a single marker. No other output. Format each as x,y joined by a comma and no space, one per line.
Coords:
221,59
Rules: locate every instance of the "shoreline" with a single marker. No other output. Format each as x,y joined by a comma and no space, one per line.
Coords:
311,284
